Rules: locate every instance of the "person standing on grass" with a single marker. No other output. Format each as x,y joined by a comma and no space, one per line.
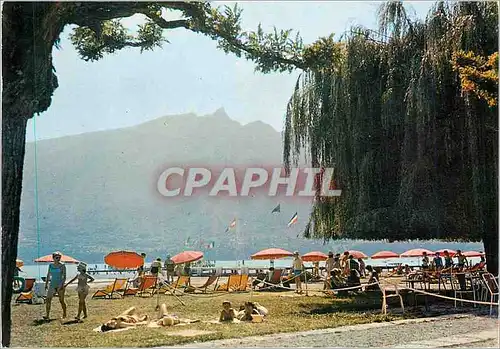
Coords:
448,261
438,262
82,289
56,276
344,263
170,267
329,265
425,261
337,264
462,260
156,267
298,266
362,271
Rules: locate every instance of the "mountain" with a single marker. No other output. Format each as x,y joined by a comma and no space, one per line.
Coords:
97,192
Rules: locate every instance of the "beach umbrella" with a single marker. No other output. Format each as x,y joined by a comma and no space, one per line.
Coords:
272,253
19,263
451,252
357,254
187,257
124,259
416,252
473,254
314,256
64,259
385,255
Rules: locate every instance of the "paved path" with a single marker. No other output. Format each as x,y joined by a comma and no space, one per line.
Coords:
436,332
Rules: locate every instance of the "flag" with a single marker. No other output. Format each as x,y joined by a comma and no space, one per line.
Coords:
232,225
276,209
293,220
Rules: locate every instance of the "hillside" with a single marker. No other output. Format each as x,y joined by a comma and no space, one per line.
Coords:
97,192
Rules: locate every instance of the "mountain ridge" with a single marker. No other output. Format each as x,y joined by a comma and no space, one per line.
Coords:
98,192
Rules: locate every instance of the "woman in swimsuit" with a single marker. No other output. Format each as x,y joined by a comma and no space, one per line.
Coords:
82,289
128,318
56,276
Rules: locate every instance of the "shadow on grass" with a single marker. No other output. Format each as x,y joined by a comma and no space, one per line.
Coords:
72,322
361,302
39,322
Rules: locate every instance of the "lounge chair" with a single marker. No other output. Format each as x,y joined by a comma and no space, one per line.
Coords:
384,286
275,279
112,289
492,286
182,281
147,287
203,288
243,283
233,283
26,295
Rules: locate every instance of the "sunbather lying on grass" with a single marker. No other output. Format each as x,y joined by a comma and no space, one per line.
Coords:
128,318
166,319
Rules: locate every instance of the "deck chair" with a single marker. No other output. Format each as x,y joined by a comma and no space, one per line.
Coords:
147,287
383,286
233,283
492,287
181,282
203,288
462,284
111,289
26,295
243,282
275,279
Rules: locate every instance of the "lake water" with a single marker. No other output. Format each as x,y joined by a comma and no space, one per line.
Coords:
36,271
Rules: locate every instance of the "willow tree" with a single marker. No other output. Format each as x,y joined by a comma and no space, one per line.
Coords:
32,30
409,121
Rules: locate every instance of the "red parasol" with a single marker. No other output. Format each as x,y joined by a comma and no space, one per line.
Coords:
451,252
357,254
124,259
187,257
271,253
64,259
473,254
416,252
314,256
384,255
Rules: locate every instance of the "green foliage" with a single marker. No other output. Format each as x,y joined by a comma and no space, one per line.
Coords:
276,51
92,44
414,156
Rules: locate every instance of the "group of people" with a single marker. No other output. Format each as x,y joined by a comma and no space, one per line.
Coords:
437,263
130,318
169,269
344,271
246,312
55,285
341,270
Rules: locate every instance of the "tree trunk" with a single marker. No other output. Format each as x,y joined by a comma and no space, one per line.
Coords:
13,148
491,250
29,32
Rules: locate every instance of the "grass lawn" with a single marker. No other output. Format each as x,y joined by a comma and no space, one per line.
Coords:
286,314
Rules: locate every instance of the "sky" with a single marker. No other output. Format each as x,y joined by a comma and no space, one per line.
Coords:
190,74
